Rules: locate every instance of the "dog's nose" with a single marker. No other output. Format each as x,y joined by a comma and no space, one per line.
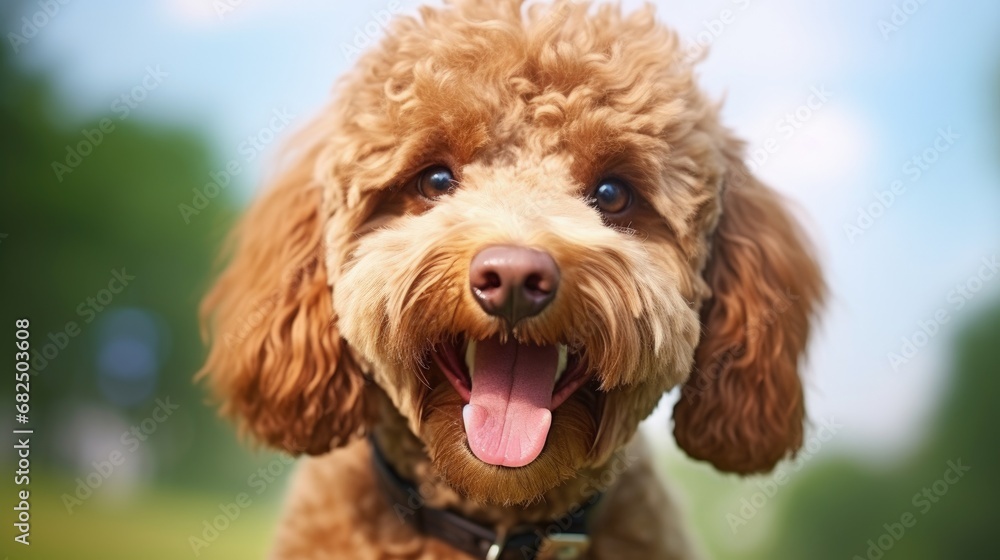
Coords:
513,282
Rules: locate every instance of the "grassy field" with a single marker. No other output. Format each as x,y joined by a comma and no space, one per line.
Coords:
148,525
155,524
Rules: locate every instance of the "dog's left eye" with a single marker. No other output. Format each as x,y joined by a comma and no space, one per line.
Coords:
436,181
612,197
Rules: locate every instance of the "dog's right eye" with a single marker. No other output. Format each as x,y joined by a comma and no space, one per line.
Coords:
436,181
612,197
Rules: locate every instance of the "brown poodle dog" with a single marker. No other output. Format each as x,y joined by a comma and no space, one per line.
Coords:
514,230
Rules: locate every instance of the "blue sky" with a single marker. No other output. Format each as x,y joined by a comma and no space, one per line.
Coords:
888,98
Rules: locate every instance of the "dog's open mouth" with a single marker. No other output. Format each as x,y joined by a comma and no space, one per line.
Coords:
511,390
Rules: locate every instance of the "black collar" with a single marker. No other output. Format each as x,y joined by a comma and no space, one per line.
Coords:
563,538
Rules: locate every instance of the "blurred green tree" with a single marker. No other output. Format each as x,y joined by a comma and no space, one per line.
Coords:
65,232
843,510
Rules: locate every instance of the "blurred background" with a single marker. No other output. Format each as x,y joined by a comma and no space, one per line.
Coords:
880,120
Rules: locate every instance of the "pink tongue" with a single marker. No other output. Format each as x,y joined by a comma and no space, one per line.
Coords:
508,417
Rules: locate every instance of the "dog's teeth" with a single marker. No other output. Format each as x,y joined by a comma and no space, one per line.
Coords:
470,358
561,366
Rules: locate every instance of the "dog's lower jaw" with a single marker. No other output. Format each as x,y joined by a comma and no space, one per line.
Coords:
407,454
336,508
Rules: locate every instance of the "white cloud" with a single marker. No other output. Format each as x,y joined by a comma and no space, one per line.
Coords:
831,151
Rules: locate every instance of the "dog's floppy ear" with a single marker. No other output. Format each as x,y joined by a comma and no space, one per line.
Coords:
277,361
742,408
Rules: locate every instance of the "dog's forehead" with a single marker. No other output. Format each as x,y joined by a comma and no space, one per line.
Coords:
577,94
594,83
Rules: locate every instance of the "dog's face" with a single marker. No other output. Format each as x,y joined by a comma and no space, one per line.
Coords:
513,221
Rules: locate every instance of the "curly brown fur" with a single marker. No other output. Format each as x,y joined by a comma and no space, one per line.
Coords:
343,279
